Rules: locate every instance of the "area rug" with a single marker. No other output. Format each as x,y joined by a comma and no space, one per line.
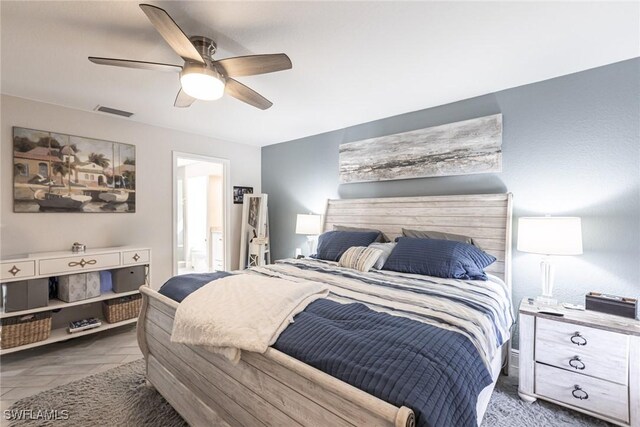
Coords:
120,397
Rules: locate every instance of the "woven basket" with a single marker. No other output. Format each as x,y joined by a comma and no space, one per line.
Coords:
16,331
119,309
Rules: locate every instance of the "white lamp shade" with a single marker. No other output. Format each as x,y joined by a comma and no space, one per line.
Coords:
309,224
550,235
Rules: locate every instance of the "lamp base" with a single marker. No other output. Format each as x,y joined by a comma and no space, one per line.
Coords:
543,300
311,240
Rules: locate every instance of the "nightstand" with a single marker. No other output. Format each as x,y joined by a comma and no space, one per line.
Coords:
585,360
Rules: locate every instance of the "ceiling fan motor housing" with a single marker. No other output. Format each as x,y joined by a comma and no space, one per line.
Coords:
205,46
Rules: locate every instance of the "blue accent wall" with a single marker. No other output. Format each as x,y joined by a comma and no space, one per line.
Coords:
571,146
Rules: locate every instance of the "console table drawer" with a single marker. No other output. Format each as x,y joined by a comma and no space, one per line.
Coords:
581,391
16,270
79,263
135,257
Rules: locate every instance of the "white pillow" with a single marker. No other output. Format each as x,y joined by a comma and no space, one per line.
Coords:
386,249
360,258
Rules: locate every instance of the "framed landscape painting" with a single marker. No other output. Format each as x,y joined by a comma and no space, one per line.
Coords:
54,172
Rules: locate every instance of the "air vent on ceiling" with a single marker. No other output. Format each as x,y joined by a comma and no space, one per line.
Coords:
113,111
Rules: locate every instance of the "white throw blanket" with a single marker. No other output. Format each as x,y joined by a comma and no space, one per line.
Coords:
242,312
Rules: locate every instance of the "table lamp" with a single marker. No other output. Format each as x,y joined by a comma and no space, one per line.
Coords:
549,236
309,225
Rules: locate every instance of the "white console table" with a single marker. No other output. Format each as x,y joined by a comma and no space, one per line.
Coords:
48,264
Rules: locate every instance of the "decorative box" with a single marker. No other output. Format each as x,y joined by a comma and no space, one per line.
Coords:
128,279
25,294
613,304
105,281
76,287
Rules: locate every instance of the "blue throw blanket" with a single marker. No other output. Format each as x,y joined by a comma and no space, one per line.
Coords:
433,371
179,287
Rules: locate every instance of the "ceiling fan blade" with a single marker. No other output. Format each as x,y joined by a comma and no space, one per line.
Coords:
172,34
245,94
183,100
154,66
254,64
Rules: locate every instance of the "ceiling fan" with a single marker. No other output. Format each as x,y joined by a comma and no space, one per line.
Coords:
202,77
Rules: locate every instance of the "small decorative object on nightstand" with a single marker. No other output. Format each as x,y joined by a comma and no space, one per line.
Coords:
548,236
309,225
583,360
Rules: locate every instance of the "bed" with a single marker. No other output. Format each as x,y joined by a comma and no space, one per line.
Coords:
274,388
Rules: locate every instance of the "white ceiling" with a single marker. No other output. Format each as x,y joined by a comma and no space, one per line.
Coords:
352,62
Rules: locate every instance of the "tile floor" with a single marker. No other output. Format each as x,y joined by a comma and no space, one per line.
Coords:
31,371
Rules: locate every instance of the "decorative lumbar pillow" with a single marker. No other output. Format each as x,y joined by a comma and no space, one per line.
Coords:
332,244
439,235
386,249
360,258
439,258
382,238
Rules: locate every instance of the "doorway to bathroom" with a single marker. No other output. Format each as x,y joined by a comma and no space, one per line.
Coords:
200,213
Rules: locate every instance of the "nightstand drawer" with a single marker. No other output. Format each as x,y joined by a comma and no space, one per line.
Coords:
581,349
603,353
585,363
581,391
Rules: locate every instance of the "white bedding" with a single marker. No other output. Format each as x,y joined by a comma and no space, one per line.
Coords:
241,312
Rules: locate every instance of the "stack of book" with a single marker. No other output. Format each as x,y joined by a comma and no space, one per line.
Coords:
84,324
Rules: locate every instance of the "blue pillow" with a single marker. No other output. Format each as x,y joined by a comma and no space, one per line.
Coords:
332,244
438,258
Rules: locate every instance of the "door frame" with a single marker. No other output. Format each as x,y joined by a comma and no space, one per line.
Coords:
226,205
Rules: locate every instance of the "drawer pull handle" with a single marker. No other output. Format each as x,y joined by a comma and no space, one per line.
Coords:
82,263
14,270
576,363
136,257
579,393
578,339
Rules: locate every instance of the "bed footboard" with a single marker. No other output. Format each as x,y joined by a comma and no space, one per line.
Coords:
262,389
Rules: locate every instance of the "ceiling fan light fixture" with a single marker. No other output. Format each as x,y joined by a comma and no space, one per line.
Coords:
202,82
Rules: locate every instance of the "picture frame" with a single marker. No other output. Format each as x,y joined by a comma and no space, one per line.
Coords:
239,192
57,172
462,148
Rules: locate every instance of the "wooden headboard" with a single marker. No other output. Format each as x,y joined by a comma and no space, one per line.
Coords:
485,217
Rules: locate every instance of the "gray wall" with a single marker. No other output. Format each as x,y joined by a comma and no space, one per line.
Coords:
571,146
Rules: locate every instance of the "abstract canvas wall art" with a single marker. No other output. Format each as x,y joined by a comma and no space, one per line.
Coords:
461,148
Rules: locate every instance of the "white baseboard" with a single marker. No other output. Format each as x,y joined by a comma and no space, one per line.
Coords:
515,358
514,363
